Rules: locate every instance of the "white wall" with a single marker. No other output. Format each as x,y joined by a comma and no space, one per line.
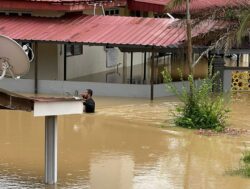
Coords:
93,60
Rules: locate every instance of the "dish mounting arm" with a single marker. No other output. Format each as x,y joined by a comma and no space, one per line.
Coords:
6,67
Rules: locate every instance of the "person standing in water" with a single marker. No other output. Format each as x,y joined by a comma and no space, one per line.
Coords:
88,102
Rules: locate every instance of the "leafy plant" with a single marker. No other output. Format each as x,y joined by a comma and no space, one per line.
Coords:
246,157
244,169
201,108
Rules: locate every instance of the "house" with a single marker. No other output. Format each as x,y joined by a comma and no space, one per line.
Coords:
76,47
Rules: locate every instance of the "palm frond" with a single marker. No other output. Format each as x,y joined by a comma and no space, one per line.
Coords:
244,25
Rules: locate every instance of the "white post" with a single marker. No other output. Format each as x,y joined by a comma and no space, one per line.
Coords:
50,149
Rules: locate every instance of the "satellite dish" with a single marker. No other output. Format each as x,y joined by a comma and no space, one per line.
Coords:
14,61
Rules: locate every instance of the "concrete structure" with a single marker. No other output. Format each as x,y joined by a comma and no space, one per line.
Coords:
50,108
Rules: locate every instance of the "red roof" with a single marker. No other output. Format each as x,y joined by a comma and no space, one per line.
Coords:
56,5
148,5
195,5
60,1
100,30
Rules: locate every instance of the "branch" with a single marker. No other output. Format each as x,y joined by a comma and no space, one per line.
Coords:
221,43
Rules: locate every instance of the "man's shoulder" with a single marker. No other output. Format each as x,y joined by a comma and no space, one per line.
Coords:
91,99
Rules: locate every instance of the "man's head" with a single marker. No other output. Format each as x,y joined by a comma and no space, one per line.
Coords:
87,93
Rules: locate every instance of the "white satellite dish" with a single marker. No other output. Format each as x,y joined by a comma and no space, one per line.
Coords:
14,61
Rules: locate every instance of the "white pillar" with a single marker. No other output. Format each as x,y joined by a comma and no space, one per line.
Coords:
50,149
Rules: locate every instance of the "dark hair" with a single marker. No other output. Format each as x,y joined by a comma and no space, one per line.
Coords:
90,92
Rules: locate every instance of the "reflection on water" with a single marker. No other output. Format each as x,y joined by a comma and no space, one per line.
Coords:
120,147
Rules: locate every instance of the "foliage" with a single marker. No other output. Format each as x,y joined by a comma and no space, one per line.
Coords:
244,169
201,109
246,157
239,18
244,20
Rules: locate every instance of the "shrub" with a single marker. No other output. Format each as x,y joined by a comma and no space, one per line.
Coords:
201,107
244,169
246,157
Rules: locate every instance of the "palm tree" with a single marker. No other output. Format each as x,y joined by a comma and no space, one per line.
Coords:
241,14
244,25
177,3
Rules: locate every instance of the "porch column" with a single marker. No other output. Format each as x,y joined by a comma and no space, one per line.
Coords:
145,67
219,67
65,63
36,69
50,149
131,69
124,68
152,77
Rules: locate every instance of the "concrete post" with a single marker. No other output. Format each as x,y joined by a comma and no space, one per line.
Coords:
50,149
218,66
152,79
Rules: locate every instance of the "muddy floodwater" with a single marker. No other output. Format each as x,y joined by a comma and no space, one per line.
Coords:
123,146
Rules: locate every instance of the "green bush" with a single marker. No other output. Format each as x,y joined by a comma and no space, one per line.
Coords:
244,169
246,157
201,108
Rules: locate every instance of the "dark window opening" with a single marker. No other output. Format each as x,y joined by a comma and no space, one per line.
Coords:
113,12
135,13
74,49
117,12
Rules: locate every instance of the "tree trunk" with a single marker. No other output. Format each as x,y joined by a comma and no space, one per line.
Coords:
189,40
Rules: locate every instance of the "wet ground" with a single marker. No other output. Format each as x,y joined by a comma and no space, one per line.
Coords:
126,144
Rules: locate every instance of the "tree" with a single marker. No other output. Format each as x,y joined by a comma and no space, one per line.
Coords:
177,3
240,15
244,25
200,108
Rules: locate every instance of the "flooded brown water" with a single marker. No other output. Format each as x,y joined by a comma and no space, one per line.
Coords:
123,146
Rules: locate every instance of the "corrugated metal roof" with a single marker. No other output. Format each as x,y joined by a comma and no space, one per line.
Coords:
156,2
62,1
56,1
100,30
148,5
56,5
195,5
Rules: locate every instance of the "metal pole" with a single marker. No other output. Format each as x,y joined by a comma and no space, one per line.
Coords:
124,67
50,149
65,64
145,64
152,77
156,69
36,69
131,68
238,60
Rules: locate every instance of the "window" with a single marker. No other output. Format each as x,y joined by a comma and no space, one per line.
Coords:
74,49
112,12
135,13
28,44
14,13
244,60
